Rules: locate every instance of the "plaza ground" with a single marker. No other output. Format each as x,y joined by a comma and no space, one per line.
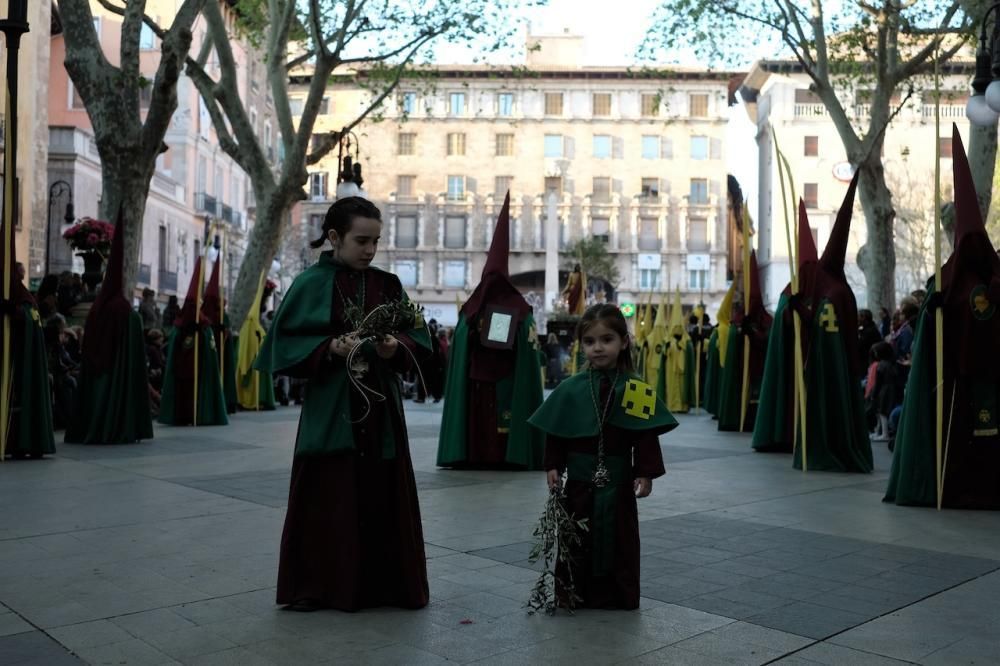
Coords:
166,552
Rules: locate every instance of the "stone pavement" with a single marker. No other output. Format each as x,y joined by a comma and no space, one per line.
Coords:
166,552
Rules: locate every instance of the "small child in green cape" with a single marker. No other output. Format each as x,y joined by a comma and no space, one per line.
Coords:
602,430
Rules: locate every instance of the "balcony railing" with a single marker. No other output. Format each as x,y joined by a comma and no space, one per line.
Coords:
810,110
206,203
145,274
947,111
227,213
167,280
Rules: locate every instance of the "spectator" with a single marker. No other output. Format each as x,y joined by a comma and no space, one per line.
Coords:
868,335
884,323
170,313
553,355
148,311
903,340
46,297
68,293
19,272
62,372
886,393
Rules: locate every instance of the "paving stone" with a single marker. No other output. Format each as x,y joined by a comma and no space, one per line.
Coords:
33,648
809,620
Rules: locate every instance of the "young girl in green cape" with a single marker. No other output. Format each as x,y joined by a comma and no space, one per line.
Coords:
352,537
602,429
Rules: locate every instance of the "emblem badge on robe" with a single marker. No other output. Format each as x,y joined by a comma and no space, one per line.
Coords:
639,400
982,309
829,319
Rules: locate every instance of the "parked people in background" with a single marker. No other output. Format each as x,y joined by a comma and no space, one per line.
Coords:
148,311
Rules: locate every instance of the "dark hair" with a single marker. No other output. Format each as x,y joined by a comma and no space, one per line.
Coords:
342,213
612,317
865,315
883,351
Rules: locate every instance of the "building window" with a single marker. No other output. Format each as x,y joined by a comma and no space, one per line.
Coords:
404,185
553,145
408,102
650,105
602,146
406,143
456,143
699,147
553,185
146,37
699,105
697,234
316,223
650,147
502,185
456,105
505,145
602,104
699,191
505,104
698,279
454,231
811,148
600,229
601,187
295,105
810,194
324,106
945,143
453,274
406,231
553,104
649,279
650,187
406,271
456,188
649,235
317,185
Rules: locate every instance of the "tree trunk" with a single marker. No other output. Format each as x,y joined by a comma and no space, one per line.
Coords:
262,247
125,176
877,258
982,161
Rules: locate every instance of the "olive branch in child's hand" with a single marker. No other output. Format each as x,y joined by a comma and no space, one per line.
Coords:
557,537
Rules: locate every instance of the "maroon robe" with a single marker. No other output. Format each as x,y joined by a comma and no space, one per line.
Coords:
352,537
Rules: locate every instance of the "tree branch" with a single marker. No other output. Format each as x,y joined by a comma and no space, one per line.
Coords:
129,52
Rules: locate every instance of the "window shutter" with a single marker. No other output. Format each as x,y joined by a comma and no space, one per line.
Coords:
715,149
618,147
666,148
569,147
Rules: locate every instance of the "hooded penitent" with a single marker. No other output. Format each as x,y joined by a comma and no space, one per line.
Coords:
754,324
113,405
254,388
214,308
718,345
30,426
678,361
970,292
493,383
192,357
836,432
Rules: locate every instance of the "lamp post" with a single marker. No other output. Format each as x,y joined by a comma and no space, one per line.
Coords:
349,180
983,108
57,189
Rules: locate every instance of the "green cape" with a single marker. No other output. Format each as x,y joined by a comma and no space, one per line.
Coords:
211,400
713,373
569,413
837,432
302,323
113,406
31,422
520,394
730,397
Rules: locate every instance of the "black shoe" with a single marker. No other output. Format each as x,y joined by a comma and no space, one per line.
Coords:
304,606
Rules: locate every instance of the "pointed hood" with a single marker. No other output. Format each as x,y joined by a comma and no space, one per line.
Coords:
495,287
973,249
658,331
107,321
251,336
186,317
724,318
677,317
835,252
211,304
807,246
755,301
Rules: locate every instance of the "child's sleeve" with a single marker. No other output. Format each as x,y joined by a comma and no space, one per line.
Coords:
556,450
647,458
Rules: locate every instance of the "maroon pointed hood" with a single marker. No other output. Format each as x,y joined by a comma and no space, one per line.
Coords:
755,303
211,303
495,287
835,252
107,321
973,249
807,246
186,317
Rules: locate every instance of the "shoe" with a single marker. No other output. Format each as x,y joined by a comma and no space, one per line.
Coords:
304,606
420,401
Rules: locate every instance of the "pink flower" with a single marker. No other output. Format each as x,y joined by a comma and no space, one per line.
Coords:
92,239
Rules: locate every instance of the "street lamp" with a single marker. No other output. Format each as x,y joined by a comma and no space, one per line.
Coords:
983,108
349,180
57,189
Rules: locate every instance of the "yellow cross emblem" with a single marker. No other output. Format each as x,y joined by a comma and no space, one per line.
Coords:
639,400
828,320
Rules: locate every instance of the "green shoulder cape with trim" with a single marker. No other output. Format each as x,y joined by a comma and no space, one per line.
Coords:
561,414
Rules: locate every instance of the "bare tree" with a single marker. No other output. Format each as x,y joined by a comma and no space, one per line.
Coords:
379,38
878,47
128,145
914,227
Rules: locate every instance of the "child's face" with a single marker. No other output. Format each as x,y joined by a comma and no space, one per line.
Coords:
602,345
357,248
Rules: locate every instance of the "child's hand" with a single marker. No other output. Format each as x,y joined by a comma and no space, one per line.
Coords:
387,348
553,478
642,486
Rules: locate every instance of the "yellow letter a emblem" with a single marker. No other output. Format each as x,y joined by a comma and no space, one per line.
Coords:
639,399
